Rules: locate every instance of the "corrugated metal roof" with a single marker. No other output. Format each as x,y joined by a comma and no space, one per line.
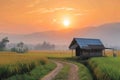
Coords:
86,43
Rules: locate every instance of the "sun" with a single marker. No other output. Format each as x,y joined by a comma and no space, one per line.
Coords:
66,22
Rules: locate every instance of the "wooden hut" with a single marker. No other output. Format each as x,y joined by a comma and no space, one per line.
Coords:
86,48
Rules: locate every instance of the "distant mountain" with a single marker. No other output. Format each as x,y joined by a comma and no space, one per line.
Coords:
108,33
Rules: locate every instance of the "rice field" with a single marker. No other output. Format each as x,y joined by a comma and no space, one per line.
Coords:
11,57
35,74
54,54
13,63
106,68
103,68
110,52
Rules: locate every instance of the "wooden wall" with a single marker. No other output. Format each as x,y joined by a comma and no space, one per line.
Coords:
89,53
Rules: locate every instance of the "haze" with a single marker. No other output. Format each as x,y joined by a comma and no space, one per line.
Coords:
29,16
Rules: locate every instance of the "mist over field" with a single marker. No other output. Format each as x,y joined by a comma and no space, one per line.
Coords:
108,33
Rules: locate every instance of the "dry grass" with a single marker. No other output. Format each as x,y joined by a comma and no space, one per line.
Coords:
11,58
110,52
13,63
57,54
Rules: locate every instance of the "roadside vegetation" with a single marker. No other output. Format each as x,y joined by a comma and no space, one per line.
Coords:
83,73
35,74
106,68
19,64
63,74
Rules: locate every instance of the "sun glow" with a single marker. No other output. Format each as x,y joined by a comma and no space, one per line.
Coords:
66,22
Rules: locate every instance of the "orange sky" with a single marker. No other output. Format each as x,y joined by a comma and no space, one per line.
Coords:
27,16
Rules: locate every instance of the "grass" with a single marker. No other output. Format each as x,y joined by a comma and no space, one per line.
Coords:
63,74
27,66
109,53
37,73
106,68
12,63
83,73
52,54
18,64
11,58
17,68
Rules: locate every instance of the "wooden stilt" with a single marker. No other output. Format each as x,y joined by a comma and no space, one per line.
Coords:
72,52
104,53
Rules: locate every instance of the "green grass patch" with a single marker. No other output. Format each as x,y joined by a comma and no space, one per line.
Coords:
63,74
37,73
83,73
106,68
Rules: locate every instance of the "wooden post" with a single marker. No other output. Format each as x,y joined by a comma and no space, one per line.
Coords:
113,50
104,52
114,53
72,52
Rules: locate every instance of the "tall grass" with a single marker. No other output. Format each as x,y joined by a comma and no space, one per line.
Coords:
107,68
35,74
12,64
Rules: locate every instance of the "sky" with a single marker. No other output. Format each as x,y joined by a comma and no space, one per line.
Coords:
28,16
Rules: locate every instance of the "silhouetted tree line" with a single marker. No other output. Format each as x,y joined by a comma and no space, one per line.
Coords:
19,48
22,48
45,46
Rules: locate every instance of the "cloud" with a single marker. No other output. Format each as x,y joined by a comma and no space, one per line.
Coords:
33,3
79,14
73,11
51,10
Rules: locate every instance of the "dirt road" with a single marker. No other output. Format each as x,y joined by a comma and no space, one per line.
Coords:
52,74
73,73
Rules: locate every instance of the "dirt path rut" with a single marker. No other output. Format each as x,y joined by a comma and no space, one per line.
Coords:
52,74
73,73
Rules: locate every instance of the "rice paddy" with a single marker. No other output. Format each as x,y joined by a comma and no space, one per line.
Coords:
107,68
13,65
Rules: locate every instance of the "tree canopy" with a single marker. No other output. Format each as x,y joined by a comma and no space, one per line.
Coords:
3,43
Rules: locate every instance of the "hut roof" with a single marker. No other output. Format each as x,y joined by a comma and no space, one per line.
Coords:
85,43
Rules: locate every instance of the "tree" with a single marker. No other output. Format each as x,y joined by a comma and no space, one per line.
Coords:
45,46
3,43
20,48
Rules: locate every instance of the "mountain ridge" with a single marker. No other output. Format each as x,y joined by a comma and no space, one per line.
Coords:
108,33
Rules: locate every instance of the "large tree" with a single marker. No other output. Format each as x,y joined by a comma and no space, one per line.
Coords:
3,43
